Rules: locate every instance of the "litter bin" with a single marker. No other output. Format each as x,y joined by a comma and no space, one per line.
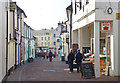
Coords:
62,58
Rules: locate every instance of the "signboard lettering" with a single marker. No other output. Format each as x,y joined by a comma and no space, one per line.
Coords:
105,27
87,69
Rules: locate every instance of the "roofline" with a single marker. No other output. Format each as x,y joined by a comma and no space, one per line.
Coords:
22,11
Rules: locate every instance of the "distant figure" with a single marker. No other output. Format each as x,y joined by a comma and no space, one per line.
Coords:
50,56
70,60
54,53
79,58
44,54
47,55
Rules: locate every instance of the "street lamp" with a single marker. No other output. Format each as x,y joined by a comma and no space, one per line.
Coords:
67,41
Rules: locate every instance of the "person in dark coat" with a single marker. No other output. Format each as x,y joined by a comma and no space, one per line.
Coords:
70,60
79,58
50,56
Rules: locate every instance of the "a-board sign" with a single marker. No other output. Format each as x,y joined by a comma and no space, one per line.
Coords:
87,69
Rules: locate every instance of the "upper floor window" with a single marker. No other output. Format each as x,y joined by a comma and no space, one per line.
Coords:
42,43
45,44
48,43
48,38
80,3
54,43
45,38
47,33
75,7
54,35
87,1
41,38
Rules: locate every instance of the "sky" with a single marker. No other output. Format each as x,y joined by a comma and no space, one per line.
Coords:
43,14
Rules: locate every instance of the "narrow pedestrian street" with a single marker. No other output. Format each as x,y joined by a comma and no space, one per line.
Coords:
43,70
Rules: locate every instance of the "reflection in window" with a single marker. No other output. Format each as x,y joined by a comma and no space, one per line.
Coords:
102,45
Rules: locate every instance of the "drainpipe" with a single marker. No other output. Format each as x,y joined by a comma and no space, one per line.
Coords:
71,27
14,36
7,43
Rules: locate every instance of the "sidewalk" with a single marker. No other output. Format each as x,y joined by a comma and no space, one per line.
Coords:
43,70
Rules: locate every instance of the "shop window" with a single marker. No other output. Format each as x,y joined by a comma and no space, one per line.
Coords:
102,45
32,51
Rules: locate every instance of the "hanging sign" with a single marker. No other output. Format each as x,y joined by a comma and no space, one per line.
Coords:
63,28
105,27
12,6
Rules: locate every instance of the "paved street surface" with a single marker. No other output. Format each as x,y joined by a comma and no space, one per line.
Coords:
43,70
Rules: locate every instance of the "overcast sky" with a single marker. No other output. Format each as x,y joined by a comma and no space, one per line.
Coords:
44,13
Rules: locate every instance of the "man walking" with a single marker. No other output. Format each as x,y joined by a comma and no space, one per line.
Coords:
50,56
79,58
70,60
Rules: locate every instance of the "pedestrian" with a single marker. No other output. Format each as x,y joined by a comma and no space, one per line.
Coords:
54,53
50,56
78,61
44,53
47,54
70,60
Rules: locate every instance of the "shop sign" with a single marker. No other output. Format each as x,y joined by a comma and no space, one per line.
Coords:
60,41
12,6
63,28
117,15
105,27
75,46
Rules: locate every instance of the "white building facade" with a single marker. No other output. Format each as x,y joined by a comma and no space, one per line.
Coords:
89,19
3,24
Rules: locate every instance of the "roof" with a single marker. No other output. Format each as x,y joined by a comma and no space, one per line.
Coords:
22,11
69,7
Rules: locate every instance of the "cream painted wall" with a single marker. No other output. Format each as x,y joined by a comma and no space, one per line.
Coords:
86,37
119,40
1,42
75,37
2,39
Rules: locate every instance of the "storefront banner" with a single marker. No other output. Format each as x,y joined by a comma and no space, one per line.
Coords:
105,27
